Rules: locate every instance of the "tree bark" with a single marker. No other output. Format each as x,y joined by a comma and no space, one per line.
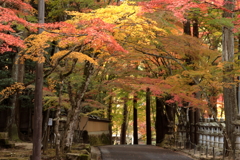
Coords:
135,122
56,125
11,116
196,119
37,131
148,117
191,124
76,108
45,130
229,90
161,121
37,127
124,123
196,112
187,27
110,118
238,86
195,28
17,76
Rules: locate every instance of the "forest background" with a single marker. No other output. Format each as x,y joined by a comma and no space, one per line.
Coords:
100,57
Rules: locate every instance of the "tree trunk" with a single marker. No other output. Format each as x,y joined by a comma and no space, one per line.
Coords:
196,112
238,86
229,90
45,130
21,72
148,117
124,125
195,28
161,121
170,113
191,123
37,127
110,118
196,119
187,27
76,108
37,130
11,116
56,125
135,122
17,76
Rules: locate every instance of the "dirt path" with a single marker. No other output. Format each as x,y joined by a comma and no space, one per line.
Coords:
24,145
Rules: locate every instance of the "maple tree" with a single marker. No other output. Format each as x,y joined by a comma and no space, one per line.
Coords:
86,37
92,38
10,11
15,24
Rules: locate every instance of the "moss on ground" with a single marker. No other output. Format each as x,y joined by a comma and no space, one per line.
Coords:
98,140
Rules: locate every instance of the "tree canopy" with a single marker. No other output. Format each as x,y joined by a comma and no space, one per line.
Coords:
93,52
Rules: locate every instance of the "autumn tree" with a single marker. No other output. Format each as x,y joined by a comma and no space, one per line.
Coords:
15,21
93,34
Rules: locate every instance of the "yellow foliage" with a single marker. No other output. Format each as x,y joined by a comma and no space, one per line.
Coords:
130,26
70,41
16,87
52,84
110,14
78,55
36,45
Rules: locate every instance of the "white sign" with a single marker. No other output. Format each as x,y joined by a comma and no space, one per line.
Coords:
50,121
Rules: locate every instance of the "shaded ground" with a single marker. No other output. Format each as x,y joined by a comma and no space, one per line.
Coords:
139,152
21,151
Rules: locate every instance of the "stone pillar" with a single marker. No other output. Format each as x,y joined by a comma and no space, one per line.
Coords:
237,134
200,134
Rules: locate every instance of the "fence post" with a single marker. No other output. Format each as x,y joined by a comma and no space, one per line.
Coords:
213,153
207,151
223,152
200,151
194,149
234,151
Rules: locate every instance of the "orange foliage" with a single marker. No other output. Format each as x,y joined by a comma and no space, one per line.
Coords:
9,17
